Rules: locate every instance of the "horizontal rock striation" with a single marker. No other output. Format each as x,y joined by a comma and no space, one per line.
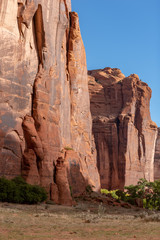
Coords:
124,133
157,158
44,98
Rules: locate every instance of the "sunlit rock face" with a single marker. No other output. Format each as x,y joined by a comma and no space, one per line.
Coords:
44,98
124,133
157,158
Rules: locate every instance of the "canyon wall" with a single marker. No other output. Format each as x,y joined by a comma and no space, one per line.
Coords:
157,158
44,99
124,133
45,120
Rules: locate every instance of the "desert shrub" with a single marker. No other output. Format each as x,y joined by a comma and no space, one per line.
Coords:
18,191
123,196
19,180
105,191
7,190
112,193
148,192
137,191
68,148
89,188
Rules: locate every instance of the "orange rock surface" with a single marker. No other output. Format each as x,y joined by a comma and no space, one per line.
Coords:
124,133
157,158
44,98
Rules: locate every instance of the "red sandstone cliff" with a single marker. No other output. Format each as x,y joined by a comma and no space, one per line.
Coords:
157,158
45,106
44,100
124,133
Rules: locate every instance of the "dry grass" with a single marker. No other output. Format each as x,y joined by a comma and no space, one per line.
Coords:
85,221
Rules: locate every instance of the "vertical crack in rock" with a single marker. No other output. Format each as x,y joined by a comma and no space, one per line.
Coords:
33,125
67,38
139,126
73,60
21,8
39,33
33,154
66,9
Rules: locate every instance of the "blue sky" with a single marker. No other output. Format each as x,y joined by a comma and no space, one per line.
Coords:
124,34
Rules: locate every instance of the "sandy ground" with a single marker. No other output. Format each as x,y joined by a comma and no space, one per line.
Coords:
84,221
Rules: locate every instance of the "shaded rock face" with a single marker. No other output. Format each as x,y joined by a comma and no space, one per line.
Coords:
157,158
64,194
44,98
124,133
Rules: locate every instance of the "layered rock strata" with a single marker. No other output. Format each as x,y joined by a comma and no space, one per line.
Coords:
157,158
44,98
124,133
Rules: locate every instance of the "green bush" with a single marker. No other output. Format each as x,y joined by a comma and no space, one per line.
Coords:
148,192
112,193
68,148
105,191
89,188
18,191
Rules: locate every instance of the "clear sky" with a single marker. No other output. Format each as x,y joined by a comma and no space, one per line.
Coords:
124,34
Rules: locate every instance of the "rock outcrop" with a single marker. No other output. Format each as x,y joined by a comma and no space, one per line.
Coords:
157,158
124,133
45,120
44,99
64,191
